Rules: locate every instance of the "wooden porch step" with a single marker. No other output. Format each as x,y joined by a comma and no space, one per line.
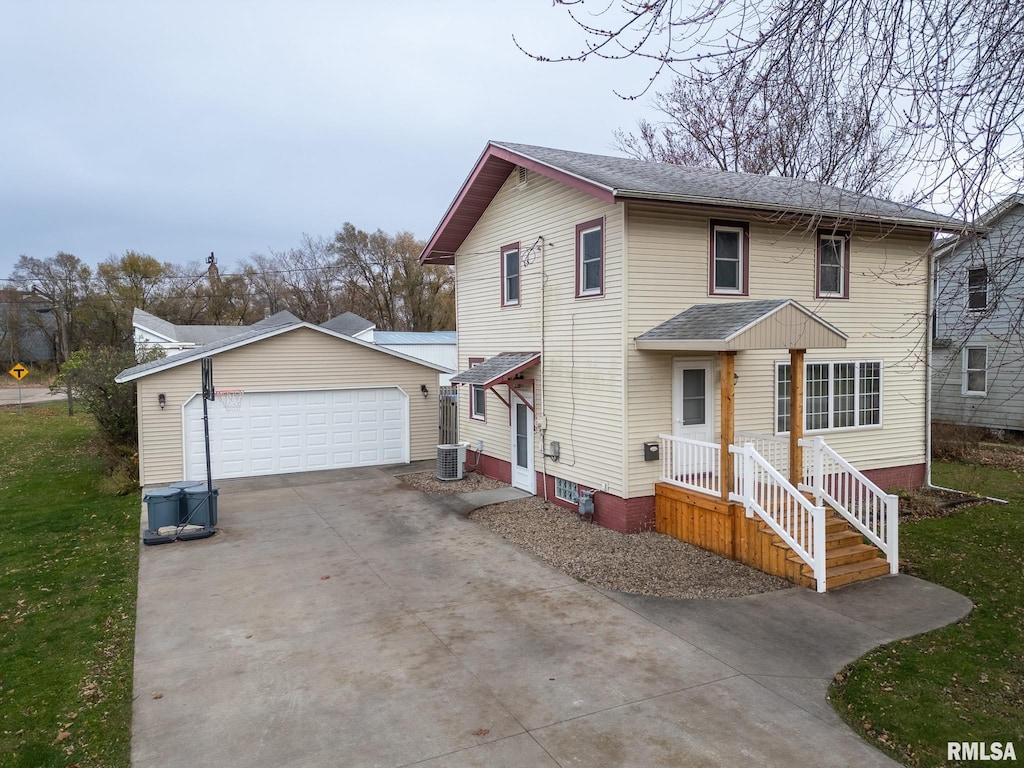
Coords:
850,572
855,553
837,534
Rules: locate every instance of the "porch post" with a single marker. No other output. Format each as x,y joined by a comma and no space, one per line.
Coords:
796,415
728,369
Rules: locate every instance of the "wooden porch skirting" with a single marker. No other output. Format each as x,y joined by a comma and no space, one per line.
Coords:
723,528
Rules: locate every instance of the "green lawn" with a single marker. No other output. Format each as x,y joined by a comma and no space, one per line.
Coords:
68,568
964,682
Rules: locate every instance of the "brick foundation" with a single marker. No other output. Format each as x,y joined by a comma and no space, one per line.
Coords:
889,479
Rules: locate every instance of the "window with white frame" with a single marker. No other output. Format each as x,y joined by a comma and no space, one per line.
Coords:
975,371
833,265
837,395
510,275
728,259
977,288
590,258
477,396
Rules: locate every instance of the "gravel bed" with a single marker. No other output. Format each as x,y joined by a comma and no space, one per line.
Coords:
426,482
640,563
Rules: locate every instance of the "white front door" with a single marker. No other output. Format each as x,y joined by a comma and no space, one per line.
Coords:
523,475
693,400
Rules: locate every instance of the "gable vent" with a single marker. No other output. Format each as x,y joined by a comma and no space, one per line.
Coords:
521,176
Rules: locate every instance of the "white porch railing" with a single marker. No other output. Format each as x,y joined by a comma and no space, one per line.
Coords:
691,464
869,509
766,492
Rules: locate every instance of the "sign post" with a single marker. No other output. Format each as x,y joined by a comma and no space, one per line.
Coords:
19,372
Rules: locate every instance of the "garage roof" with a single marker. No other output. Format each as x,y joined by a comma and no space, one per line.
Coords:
251,335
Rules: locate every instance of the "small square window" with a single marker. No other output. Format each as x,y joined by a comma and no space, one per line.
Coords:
590,258
728,259
566,490
833,265
510,275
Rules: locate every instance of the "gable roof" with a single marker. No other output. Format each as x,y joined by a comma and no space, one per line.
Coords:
615,179
765,324
251,335
495,370
348,323
986,222
189,334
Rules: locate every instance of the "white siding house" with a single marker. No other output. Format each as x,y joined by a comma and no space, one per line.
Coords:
574,271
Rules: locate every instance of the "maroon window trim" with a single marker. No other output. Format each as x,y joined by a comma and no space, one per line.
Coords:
472,393
519,277
580,229
744,257
845,237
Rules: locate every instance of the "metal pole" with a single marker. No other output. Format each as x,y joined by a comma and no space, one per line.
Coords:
19,397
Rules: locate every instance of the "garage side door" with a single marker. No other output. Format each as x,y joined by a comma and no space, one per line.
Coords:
298,431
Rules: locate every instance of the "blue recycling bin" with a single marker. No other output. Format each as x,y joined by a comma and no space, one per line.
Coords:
184,485
162,507
198,512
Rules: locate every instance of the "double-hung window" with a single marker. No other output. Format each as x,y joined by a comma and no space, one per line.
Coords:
833,266
977,289
477,395
510,275
837,395
975,371
590,258
728,266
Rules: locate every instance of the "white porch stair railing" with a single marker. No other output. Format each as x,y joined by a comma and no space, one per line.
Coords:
869,509
691,464
764,491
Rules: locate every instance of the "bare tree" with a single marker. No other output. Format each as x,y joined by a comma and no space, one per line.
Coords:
731,122
945,76
62,283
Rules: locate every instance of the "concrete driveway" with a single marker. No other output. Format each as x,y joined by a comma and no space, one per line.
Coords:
342,619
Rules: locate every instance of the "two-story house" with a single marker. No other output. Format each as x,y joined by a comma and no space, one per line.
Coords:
623,323
978,354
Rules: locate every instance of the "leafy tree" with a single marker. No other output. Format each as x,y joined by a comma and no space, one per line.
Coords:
123,283
89,375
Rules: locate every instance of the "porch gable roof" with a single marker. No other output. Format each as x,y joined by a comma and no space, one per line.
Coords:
743,325
497,369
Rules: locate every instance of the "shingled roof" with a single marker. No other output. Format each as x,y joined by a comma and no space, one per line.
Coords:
615,179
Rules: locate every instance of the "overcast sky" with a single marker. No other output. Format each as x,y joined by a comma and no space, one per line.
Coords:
180,128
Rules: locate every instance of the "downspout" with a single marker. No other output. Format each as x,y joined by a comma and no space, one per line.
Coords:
932,276
543,378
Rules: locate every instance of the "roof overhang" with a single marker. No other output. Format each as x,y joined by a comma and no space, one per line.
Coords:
499,369
739,326
489,173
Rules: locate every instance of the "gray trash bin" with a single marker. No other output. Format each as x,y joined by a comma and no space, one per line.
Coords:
197,511
162,507
184,485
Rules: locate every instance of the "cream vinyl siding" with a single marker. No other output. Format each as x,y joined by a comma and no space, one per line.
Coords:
884,318
298,359
581,397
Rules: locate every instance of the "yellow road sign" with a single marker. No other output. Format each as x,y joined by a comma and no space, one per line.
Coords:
19,371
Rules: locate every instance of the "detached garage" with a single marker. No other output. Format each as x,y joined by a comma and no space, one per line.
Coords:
313,399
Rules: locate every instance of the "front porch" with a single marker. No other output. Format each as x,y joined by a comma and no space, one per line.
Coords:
790,506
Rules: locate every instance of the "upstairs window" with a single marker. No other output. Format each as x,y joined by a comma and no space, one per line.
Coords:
728,262
833,266
510,275
477,396
590,258
977,289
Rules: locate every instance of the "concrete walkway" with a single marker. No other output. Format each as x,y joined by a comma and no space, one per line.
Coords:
342,619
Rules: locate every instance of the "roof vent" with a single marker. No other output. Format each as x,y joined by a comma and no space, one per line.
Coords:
521,176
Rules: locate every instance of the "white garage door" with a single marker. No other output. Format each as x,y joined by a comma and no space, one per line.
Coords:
298,431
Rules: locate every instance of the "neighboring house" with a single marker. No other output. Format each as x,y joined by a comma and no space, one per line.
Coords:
27,329
605,302
439,347
151,332
313,399
978,351
351,324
